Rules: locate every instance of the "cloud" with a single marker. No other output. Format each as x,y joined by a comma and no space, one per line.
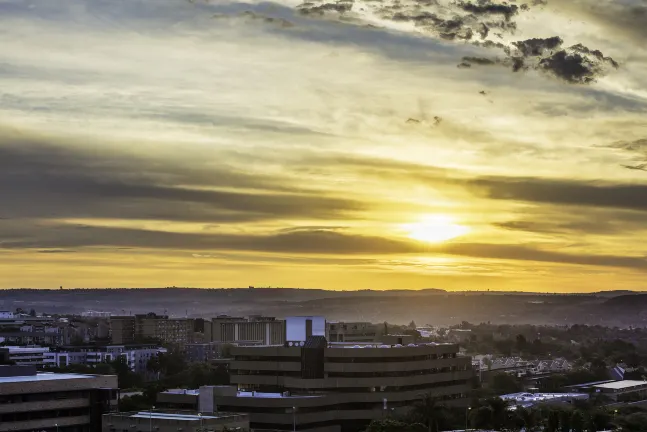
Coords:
307,242
42,177
637,149
524,253
562,192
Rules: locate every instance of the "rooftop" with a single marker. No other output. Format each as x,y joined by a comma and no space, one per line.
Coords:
619,385
45,376
256,394
187,416
182,391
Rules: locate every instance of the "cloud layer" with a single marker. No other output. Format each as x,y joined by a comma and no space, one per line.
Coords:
217,142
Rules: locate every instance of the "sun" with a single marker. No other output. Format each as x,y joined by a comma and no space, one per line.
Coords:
435,229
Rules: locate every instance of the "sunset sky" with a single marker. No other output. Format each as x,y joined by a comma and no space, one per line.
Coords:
341,145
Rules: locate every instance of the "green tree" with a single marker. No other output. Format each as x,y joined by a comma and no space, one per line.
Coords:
577,421
391,425
428,412
503,383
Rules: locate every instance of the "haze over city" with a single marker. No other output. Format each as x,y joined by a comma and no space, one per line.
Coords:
337,145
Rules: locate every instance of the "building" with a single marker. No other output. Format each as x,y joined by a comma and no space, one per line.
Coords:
202,352
6,314
26,356
137,356
52,402
173,421
95,314
147,327
351,332
265,330
622,391
179,399
528,400
337,386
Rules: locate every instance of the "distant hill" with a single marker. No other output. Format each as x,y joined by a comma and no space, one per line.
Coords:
432,306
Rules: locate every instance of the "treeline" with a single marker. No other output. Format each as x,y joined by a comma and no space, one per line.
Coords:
495,414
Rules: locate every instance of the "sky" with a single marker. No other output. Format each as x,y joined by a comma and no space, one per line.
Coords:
367,144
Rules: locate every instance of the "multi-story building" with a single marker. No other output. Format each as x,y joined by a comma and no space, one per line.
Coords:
137,356
122,329
51,402
26,356
139,328
173,421
266,330
351,332
330,386
6,314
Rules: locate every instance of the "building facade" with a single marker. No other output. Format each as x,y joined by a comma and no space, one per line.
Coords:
265,330
316,385
26,356
351,332
137,356
50,402
139,328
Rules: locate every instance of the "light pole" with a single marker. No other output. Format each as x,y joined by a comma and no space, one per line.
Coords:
467,417
150,419
200,416
56,424
294,419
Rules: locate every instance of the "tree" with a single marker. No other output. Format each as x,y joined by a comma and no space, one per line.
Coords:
521,342
481,417
412,325
32,313
577,421
428,412
503,383
390,425
552,420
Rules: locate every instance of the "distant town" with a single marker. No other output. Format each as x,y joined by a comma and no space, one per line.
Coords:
96,371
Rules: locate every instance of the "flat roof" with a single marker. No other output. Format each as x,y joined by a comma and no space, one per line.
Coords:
617,385
46,376
172,416
273,395
182,391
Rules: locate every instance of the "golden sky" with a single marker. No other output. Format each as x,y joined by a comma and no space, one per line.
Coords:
334,144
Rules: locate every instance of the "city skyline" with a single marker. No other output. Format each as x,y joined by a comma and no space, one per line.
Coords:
337,145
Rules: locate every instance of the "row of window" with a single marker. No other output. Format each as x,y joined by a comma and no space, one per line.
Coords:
41,415
41,397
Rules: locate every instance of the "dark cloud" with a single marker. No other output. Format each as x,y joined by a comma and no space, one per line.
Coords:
56,251
41,178
320,241
523,253
538,46
481,61
562,192
315,242
573,68
637,149
486,7
339,7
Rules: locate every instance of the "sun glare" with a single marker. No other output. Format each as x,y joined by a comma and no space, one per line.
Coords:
435,229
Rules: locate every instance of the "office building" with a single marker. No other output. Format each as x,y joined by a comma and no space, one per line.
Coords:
137,356
52,402
148,327
173,421
265,330
26,356
351,332
179,399
336,387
